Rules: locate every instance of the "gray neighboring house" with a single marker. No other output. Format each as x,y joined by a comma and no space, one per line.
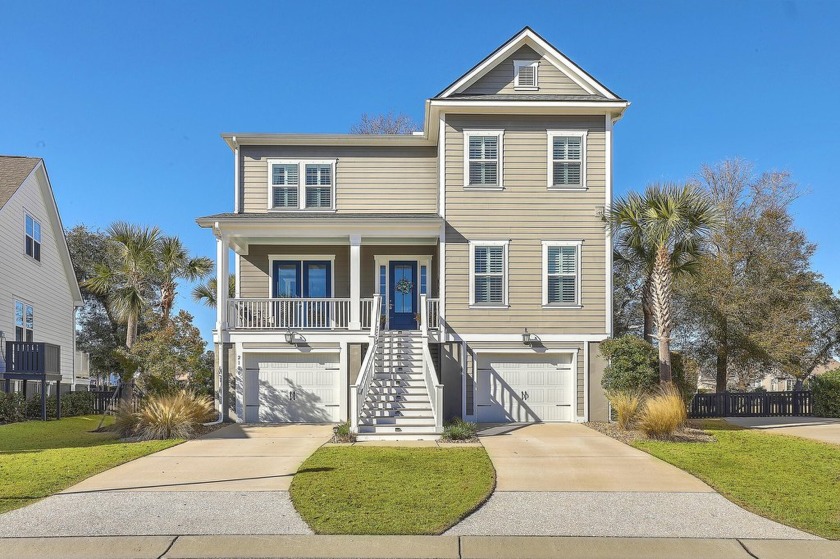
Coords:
39,294
396,282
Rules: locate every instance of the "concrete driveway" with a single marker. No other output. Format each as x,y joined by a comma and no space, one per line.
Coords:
824,429
569,480
232,481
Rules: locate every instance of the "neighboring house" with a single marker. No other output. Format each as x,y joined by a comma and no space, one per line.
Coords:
779,381
399,281
38,289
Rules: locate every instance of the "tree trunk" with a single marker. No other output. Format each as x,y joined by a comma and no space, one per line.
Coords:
722,361
647,311
167,300
662,289
131,331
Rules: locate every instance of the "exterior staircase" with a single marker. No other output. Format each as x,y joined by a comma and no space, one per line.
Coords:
397,404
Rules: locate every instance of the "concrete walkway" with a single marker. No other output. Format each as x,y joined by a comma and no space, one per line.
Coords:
569,480
232,481
824,429
408,547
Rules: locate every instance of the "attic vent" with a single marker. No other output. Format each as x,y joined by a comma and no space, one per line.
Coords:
525,74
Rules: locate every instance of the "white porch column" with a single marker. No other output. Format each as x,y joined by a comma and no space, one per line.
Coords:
355,282
222,281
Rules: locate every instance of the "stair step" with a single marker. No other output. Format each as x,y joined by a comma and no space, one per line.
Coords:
403,398
396,430
399,405
398,421
401,390
396,413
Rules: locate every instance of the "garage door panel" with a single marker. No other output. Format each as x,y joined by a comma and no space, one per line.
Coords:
299,388
525,389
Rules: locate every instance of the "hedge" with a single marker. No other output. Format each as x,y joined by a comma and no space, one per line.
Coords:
826,393
14,408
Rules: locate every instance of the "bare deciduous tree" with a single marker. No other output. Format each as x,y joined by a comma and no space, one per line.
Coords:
384,124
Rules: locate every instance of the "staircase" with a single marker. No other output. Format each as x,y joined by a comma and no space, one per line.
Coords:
397,405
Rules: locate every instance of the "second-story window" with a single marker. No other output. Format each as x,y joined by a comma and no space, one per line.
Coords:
284,185
318,185
24,322
33,238
566,156
301,184
483,158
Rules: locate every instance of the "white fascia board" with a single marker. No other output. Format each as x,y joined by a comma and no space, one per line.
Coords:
602,106
571,338
325,139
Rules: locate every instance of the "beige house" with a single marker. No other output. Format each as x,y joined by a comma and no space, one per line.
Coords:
396,282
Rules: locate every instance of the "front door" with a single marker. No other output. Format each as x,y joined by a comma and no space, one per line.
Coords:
402,293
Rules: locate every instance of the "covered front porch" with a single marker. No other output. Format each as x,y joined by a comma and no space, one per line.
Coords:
321,273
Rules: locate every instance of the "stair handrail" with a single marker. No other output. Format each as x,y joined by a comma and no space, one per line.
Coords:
360,389
433,386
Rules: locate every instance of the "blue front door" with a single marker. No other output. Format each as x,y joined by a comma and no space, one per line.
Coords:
402,293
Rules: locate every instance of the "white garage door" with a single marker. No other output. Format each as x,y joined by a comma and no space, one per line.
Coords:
525,388
292,388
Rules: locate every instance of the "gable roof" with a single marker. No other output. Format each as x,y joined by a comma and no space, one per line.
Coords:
13,171
531,38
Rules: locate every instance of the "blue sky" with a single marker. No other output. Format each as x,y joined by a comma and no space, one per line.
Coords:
126,102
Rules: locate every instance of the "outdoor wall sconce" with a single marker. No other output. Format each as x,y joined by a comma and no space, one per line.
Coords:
290,337
527,338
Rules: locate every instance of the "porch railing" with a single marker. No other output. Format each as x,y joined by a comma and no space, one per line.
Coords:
365,312
433,313
298,314
359,390
32,357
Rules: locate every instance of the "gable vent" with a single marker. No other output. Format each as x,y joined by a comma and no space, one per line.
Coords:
525,74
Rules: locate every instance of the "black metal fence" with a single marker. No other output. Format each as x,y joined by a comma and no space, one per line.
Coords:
752,404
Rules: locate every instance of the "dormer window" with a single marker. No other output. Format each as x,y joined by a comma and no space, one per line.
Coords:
301,185
525,74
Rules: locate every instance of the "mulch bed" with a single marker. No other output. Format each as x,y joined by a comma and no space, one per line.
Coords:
689,434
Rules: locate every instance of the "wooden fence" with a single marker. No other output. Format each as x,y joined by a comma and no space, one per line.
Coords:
752,404
102,397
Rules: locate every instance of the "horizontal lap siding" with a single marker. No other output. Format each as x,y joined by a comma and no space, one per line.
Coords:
369,179
525,213
254,268
550,79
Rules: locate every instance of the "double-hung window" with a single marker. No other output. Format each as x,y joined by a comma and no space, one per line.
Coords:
24,322
483,158
566,159
32,237
525,74
488,273
561,273
301,184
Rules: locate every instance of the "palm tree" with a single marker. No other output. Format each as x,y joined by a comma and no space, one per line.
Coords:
129,283
175,264
206,292
663,230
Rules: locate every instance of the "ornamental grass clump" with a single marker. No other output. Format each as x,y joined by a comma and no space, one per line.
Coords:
663,413
460,430
626,404
166,416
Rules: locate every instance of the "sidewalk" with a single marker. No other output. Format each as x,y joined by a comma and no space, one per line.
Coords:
408,547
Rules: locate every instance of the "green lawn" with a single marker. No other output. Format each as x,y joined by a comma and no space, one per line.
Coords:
391,490
791,480
40,458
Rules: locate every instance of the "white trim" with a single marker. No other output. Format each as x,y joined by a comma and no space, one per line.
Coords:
500,134
25,303
237,271
237,205
505,301
603,105
578,274
551,134
517,64
442,167
442,278
35,221
301,185
300,258
608,241
585,383
576,338
552,55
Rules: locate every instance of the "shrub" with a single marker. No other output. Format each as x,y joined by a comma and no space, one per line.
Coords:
166,416
633,365
342,433
626,405
12,407
460,430
663,413
826,393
